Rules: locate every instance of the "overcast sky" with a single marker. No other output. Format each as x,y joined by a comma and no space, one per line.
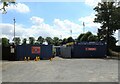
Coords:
51,18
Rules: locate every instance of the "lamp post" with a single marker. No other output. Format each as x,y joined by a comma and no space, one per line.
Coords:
83,27
14,27
60,36
71,32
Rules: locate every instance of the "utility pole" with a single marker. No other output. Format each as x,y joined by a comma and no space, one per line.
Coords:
83,27
60,36
71,32
14,27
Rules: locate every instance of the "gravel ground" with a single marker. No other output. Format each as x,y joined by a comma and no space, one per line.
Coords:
61,70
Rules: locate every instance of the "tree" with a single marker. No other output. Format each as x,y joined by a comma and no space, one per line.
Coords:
5,42
31,40
56,41
70,39
40,40
64,41
85,36
79,37
93,38
61,41
24,41
112,42
17,40
108,15
49,40
5,4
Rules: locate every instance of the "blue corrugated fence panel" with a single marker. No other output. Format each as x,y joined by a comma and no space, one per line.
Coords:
44,51
89,50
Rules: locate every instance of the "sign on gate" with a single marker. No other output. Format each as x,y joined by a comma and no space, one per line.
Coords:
90,49
12,50
35,50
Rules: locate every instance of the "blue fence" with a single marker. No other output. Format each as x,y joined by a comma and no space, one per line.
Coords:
83,50
89,50
32,51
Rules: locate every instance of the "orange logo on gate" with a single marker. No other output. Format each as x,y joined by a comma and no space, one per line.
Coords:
35,50
90,49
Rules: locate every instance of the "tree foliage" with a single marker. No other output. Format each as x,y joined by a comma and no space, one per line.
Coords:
93,38
108,15
64,41
40,40
31,40
17,40
5,42
79,37
56,41
24,41
112,42
70,39
5,4
49,40
87,37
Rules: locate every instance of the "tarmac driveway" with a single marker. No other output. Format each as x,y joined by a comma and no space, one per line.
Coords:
61,70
